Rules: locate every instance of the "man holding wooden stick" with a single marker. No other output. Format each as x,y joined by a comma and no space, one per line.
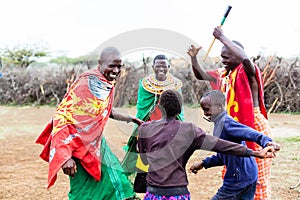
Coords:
242,84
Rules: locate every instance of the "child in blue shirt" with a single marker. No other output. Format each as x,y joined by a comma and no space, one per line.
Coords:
241,172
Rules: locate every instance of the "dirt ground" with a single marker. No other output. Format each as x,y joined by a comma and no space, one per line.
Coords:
23,175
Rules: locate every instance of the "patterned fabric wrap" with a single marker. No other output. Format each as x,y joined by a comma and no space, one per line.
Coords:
77,125
239,95
263,190
150,196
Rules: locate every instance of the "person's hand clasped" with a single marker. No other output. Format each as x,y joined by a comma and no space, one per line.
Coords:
69,168
275,145
267,152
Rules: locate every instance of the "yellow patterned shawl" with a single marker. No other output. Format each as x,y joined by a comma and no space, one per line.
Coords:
76,128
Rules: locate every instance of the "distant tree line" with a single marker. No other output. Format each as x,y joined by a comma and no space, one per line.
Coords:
23,81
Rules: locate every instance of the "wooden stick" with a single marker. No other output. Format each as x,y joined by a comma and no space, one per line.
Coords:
273,105
222,22
210,46
42,89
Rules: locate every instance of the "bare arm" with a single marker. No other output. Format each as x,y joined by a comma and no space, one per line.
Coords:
212,143
198,71
236,50
267,152
227,147
121,117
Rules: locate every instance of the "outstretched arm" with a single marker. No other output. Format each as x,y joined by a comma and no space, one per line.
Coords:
121,117
198,71
212,143
240,132
236,50
268,152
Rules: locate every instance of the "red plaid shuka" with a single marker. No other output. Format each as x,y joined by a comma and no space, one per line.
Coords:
263,190
77,125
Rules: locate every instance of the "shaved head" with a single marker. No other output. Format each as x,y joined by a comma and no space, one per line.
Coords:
108,51
110,63
217,97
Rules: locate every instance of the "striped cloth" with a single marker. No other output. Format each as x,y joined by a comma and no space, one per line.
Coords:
263,190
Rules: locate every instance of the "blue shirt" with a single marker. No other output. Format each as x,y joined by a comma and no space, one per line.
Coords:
240,171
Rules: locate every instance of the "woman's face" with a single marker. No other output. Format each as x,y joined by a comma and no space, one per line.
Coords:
161,68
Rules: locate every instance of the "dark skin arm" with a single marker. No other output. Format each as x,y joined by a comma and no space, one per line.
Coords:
127,118
198,71
234,54
267,152
235,50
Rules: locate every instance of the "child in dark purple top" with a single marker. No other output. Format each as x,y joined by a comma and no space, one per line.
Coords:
167,144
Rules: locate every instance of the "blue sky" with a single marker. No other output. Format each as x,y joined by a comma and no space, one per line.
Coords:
76,27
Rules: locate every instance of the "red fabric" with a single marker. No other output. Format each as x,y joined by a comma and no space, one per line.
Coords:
263,188
77,125
217,75
239,95
156,114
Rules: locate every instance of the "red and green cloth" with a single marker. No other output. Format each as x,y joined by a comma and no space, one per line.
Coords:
77,125
114,184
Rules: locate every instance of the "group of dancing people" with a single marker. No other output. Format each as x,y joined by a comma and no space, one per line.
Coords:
162,142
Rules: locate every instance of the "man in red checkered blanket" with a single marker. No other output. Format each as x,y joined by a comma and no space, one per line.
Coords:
242,84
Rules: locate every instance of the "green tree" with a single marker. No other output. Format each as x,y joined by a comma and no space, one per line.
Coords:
86,60
21,56
63,60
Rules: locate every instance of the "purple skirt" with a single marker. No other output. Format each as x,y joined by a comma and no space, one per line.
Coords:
150,196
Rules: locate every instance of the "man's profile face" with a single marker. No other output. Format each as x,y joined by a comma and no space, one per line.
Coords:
111,67
161,68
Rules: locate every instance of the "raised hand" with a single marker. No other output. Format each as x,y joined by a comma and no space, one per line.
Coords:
193,51
218,32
